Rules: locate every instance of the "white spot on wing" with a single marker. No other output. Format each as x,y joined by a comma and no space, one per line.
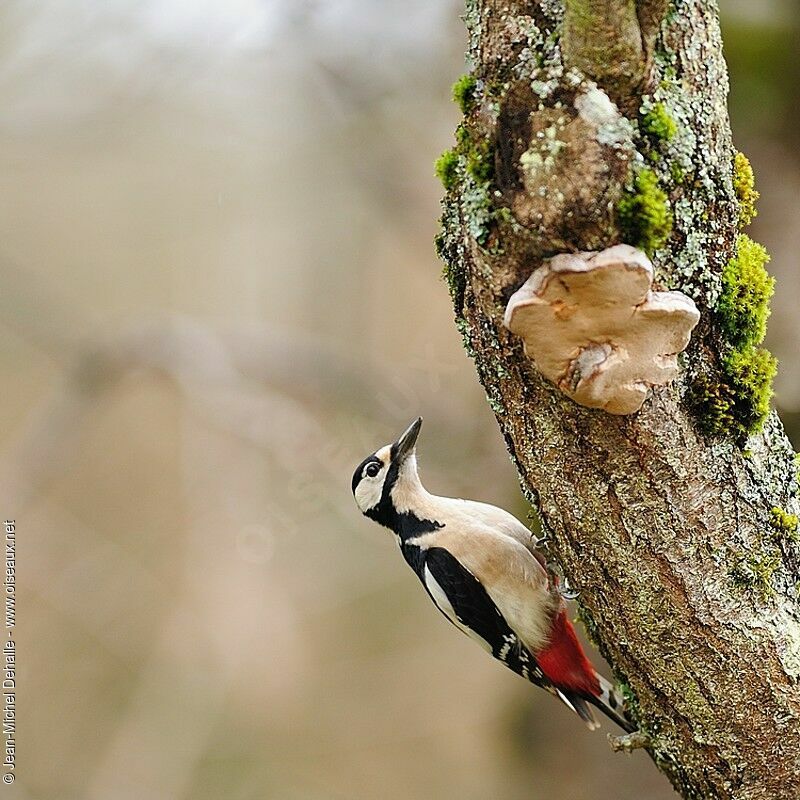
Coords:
508,642
566,700
445,606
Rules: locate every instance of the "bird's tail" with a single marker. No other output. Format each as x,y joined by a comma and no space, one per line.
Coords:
577,703
612,704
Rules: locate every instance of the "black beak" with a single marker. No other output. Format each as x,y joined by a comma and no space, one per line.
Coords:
405,444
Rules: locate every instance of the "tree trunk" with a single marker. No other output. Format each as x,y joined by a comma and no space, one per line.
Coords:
681,542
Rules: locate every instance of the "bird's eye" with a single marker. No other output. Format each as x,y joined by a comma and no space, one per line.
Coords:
373,469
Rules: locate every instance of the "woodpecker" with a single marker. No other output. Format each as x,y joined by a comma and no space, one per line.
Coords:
480,567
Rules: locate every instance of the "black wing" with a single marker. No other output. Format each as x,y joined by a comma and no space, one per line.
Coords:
475,610
466,599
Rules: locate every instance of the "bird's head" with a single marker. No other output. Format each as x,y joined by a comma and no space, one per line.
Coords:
383,481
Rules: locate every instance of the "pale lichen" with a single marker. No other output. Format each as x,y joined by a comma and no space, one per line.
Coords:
596,108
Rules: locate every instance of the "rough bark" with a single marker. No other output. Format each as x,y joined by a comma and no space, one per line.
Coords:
650,518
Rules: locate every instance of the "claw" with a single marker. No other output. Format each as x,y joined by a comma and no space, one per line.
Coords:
559,583
567,592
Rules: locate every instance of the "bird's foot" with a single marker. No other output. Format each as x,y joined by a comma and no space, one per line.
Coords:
559,583
542,542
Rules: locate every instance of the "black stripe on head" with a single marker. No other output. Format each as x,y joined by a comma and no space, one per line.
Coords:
391,475
407,524
385,513
359,473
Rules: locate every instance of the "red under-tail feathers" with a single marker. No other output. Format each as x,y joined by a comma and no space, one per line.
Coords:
564,662
575,679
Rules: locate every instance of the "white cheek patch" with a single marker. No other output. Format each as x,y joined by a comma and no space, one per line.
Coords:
368,493
370,490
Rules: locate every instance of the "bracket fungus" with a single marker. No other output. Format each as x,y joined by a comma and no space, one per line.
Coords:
593,326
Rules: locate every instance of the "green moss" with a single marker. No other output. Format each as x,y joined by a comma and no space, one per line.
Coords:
447,248
454,278
747,287
446,168
749,374
478,156
631,702
440,243
476,159
677,173
744,183
471,165
462,136
751,571
738,403
784,524
714,401
643,213
480,161
658,124
464,93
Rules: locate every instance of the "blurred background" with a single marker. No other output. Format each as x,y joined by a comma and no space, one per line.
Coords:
219,293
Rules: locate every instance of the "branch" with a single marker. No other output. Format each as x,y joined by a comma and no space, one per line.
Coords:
630,742
676,523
